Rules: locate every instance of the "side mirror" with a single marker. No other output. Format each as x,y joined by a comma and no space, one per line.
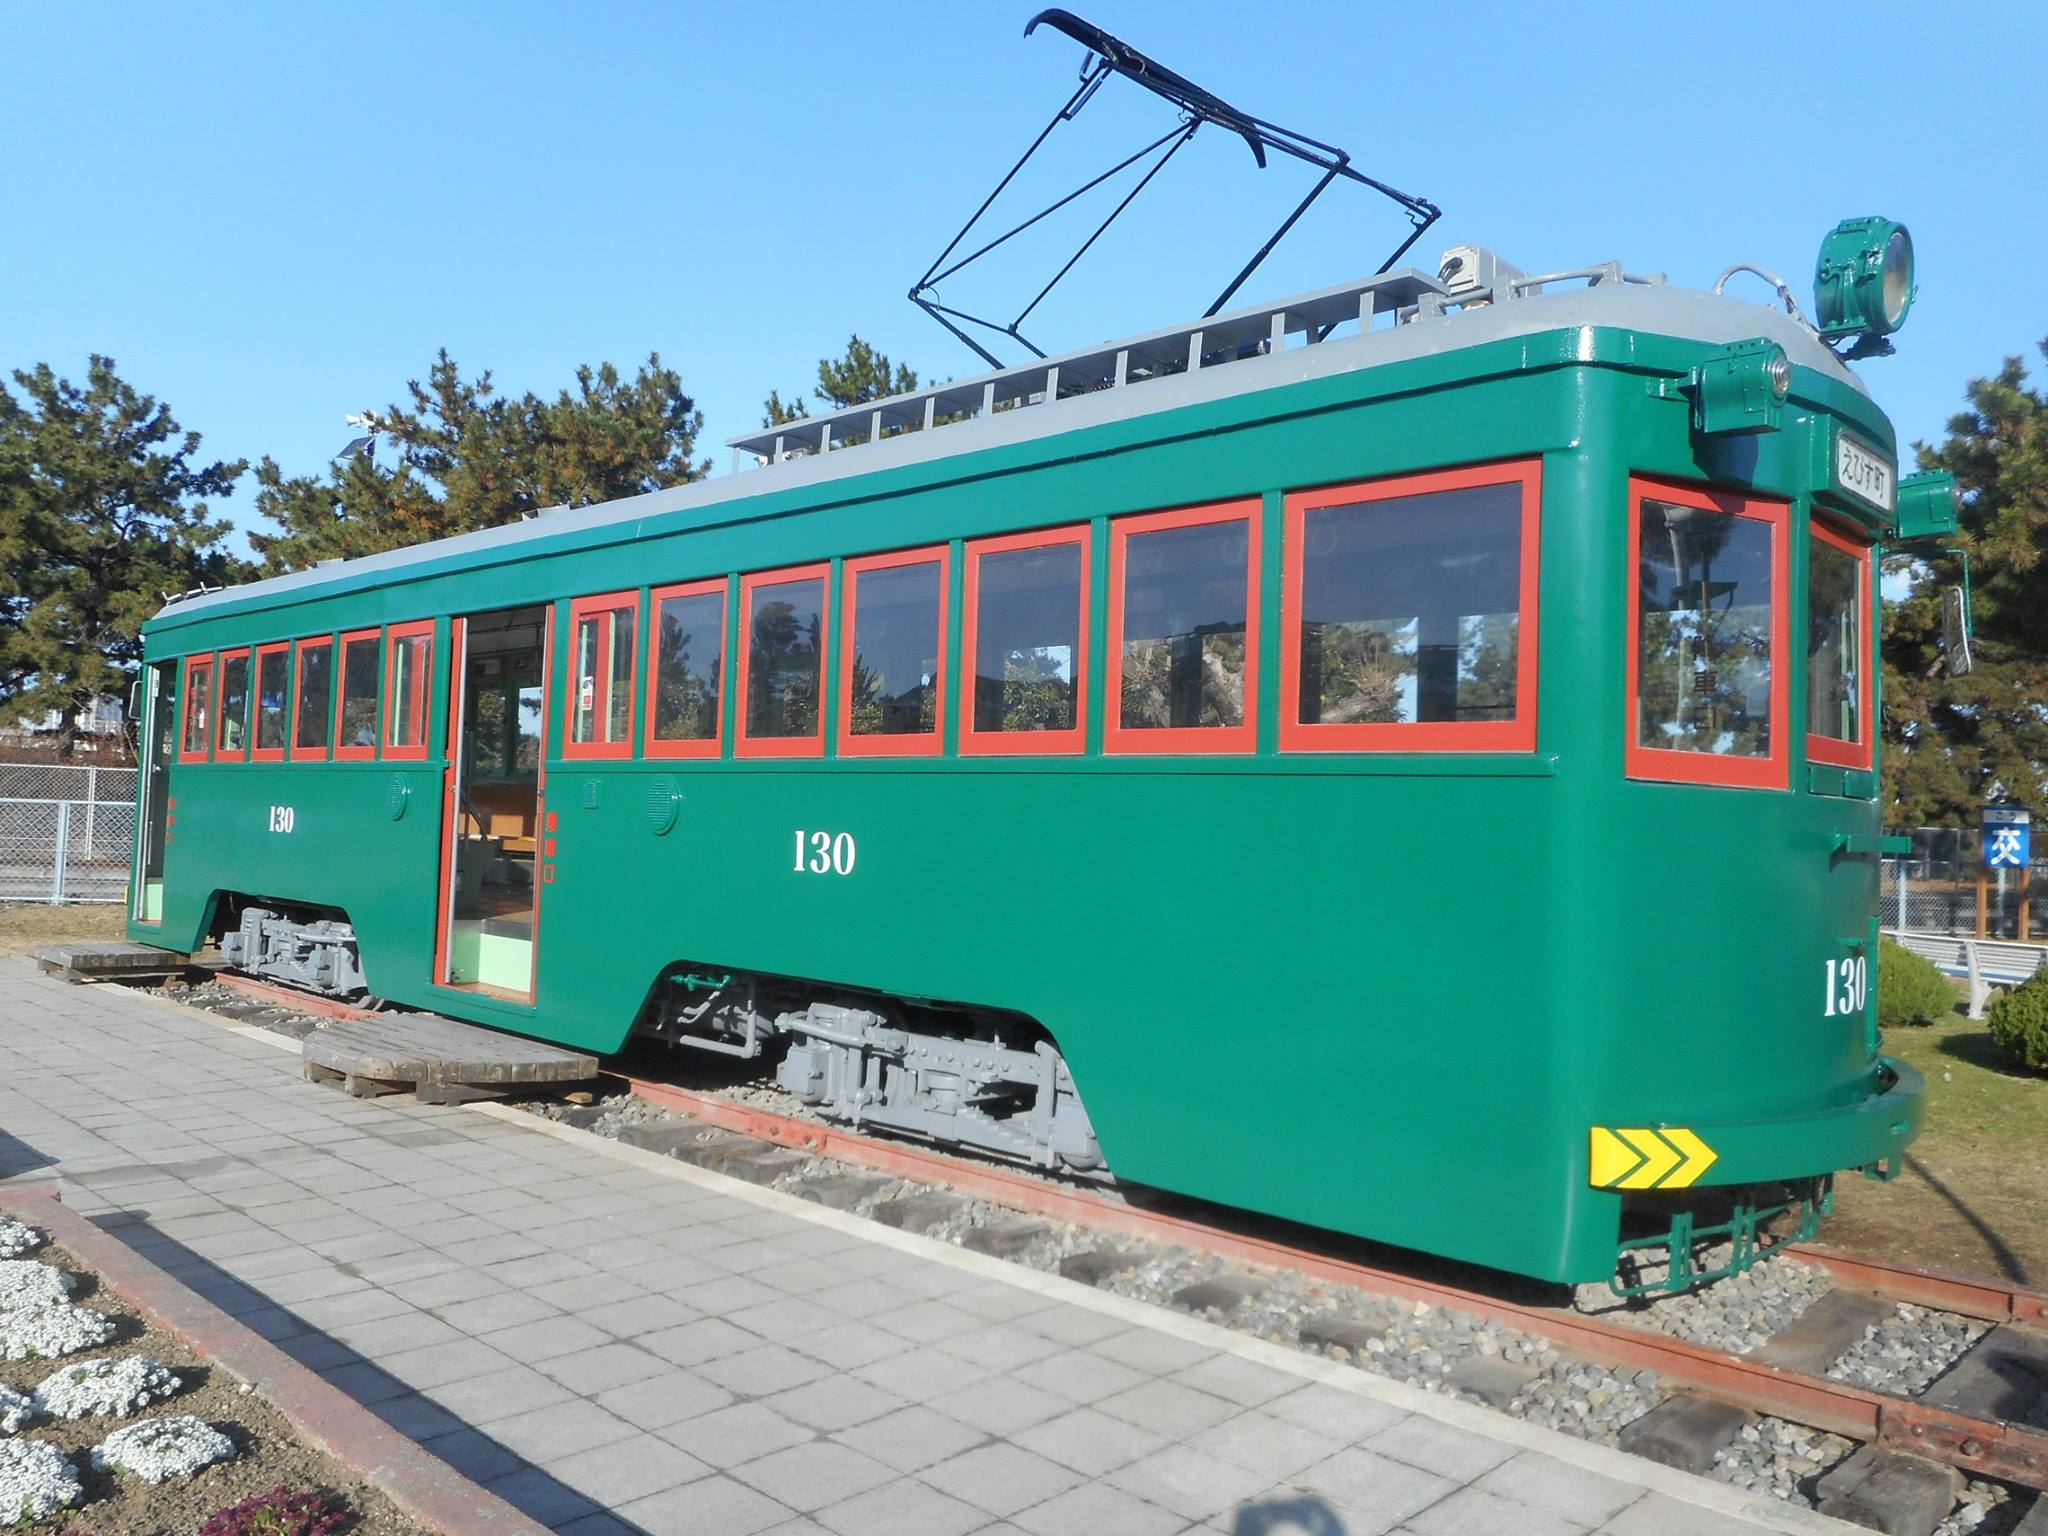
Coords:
135,699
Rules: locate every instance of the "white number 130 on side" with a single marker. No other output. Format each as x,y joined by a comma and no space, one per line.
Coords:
823,853
1848,985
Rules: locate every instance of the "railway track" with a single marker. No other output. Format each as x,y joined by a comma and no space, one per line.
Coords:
1975,1443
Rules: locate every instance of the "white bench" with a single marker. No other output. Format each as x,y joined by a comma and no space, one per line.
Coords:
1984,963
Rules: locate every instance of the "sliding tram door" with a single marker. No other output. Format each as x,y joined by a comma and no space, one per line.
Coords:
491,819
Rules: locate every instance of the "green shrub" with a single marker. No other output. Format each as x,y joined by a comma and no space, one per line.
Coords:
2019,1022
1910,990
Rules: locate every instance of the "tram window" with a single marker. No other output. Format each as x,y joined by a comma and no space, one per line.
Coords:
601,662
1707,613
1183,631
781,667
1025,642
409,681
892,660
198,702
233,737
1837,649
312,689
687,670
355,707
273,666
1410,614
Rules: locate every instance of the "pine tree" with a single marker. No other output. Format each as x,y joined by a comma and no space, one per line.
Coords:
101,517
862,376
468,457
1953,742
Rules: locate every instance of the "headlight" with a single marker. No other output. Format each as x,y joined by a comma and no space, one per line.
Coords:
1863,282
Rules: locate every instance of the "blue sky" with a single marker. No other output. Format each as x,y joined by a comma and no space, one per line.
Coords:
271,216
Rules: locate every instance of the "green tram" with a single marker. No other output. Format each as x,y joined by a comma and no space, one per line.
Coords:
1402,760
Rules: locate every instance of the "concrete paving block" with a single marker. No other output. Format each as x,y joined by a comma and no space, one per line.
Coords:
1494,1381
917,1213
1004,1239
1686,1431
1823,1331
1886,1491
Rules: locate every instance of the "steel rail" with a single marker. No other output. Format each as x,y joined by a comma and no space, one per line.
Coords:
1985,1447
291,997
1991,1301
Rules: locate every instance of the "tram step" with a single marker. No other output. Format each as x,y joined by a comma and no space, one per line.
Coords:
108,961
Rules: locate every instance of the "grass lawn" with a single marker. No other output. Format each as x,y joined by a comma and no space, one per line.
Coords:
1974,1196
22,928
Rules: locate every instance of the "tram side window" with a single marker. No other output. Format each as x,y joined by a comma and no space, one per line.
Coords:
273,663
198,707
355,708
1837,646
782,666
687,670
233,739
312,694
601,680
1025,643
1410,613
1183,631
892,689
1706,613
409,677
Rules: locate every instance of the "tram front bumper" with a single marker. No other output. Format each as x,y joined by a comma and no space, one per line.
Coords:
1871,1134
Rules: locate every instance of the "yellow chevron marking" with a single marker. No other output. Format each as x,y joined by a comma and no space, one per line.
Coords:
1613,1158
1638,1157
1699,1157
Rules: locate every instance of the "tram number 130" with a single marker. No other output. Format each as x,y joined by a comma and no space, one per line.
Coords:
1848,985
824,853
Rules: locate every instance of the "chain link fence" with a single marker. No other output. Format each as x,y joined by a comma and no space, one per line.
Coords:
1933,889
67,833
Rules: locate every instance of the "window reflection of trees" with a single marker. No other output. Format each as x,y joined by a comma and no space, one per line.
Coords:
1184,627
1704,651
687,677
786,640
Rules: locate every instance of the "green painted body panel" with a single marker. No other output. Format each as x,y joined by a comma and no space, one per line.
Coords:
1385,994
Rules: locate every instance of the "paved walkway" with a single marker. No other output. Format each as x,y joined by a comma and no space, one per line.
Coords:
619,1343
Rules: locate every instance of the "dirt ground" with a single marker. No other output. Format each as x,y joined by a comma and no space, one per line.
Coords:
22,928
268,1453
1974,1196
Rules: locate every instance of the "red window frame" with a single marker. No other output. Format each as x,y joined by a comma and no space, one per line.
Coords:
1516,735
258,753
930,743
978,743
580,609
1120,738
1859,753
420,687
341,751
222,753
706,746
780,746
1664,764
207,666
297,752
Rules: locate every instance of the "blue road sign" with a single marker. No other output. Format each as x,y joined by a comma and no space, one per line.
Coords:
2008,838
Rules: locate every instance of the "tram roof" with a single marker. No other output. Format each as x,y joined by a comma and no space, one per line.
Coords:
1393,317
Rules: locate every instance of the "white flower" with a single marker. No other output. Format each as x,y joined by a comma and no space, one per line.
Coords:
17,1238
116,1387
15,1411
50,1333
157,1449
36,1480
26,1283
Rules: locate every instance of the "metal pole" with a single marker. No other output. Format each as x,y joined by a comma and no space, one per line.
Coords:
63,852
92,796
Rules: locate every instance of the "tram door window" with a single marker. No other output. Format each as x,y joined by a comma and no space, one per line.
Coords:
495,843
1837,649
159,739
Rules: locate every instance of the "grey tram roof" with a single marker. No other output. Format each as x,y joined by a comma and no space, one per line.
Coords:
1399,315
